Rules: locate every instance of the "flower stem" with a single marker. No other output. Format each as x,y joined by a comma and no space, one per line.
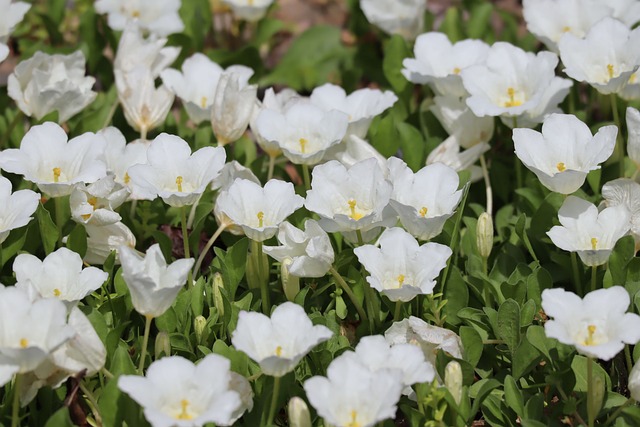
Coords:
264,278
594,276
619,141
60,219
359,237
15,409
617,412
272,165
185,240
207,247
145,342
576,274
487,183
627,357
305,176
398,313
590,409
94,403
345,287
274,400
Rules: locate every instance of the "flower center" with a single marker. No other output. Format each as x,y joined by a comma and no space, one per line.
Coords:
203,102
594,243
279,351
56,292
352,207
512,102
423,211
400,279
303,142
179,183
24,343
633,78
561,167
456,70
260,216
353,422
591,330
56,174
127,178
566,29
184,414
610,70
135,14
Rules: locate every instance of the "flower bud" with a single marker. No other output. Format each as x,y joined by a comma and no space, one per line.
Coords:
199,326
162,345
453,380
598,392
290,283
484,235
298,413
233,104
218,284
634,382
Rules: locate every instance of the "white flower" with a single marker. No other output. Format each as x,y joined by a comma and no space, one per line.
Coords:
511,82
361,106
60,275
424,200
428,337
303,132
350,199
134,50
259,211
120,156
589,233
606,58
195,85
403,17
549,20
352,395
400,268
272,101
103,239
229,173
158,17
152,283
457,119
278,343
233,104
55,165
627,11
13,13
448,153
625,192
29,331
96,203
15,208
173,173
353,150
249,10
176,393
439,62
83,352
633,127
46,83
564,153
310,250
631,91
597,325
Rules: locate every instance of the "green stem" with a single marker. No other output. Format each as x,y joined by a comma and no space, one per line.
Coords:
617,412
397,315
145,342
345,287
627,357
207,247
305,176
263,276
487,183
15,409
576,274
185,240
60,219
619,141
590,410
94,403
272,165
11,127
359,237
594,276
274,400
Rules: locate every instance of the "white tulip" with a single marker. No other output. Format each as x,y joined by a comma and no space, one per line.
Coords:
15,208
158,17
403,17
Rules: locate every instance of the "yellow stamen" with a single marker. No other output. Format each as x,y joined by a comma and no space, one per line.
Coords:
203,102
400,279
260,216
594,243
56,292
179,183
278,351
591,330
353,422
423,211
250,2
56,174
352,207
610,70
566,29
633,78
303,143
93,202
184,415
127,178
456,70
511,92
561,167
24,343
135,14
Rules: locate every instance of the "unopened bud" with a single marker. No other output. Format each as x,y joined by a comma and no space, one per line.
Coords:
290,283
218,284
634,382
199,327
484,235
162,345
598,391
453,380
298,413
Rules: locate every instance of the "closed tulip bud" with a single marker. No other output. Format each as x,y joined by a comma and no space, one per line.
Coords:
290,283
634,382
298,413
484,235
218,283
453,380
199,327
162,345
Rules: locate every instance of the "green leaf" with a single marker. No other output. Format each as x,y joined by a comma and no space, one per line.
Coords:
77,240
579,367
472,343
412,145
395,51
60,418
456,292
513,396
479,20
525,358
48,230
509,324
